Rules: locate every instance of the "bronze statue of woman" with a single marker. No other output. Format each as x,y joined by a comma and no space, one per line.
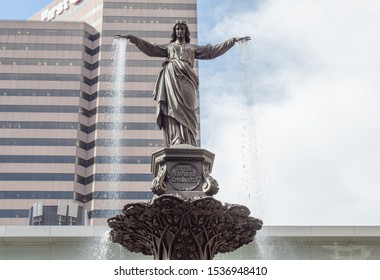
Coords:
177,84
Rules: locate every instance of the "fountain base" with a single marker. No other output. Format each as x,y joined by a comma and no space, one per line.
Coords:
177,228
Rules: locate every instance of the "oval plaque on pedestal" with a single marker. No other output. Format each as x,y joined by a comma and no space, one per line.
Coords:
184,177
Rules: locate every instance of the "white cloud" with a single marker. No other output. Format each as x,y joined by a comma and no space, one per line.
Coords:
316,111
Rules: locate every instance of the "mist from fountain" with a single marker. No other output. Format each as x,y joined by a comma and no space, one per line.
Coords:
253,165
115,118
255,183
106,249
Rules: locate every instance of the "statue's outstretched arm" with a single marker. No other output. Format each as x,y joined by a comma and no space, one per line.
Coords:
146,47
213,51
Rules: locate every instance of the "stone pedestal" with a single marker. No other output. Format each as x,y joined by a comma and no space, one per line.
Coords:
183,170
183,221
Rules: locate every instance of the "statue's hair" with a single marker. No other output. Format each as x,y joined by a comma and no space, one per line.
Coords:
187,31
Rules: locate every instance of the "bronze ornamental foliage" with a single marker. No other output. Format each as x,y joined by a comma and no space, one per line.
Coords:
171,227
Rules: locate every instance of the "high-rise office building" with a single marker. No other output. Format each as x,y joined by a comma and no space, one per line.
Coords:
56,109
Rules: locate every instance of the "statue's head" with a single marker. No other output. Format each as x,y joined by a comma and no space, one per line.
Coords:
187,31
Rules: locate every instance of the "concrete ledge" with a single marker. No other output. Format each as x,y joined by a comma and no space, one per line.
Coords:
275,234
272,242
320,234
50,234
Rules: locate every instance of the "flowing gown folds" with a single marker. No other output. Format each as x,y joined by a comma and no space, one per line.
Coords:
176,88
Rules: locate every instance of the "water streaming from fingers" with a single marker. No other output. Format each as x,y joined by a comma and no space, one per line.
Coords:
255,184
115,157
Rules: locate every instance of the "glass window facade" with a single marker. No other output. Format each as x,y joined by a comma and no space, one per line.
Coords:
39,92
57,105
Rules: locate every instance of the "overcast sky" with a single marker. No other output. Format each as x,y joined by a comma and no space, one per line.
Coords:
298,139
309,133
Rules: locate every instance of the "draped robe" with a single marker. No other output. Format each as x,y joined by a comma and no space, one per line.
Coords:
176,88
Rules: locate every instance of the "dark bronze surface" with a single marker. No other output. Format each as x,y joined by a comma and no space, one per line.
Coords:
183,229
177,84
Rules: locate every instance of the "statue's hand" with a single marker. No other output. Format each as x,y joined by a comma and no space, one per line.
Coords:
118,36
242,39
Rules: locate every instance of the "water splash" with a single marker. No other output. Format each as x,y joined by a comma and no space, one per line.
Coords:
101,250
105,249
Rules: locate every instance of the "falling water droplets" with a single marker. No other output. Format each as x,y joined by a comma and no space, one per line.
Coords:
253,164
105,249
116,116
256,186
113,168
